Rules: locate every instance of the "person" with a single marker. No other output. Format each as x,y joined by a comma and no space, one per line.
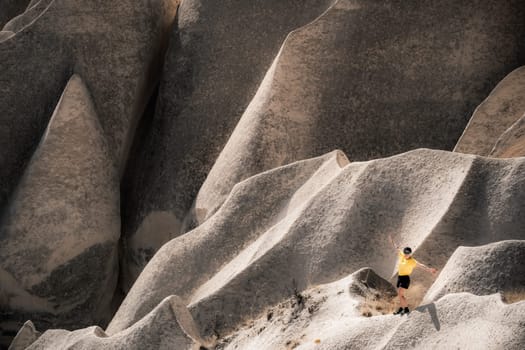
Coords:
406,265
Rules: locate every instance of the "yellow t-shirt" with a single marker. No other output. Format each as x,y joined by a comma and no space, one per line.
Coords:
405,265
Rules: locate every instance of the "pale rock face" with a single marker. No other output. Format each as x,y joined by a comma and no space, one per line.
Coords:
328,319
494,268
322,317
26,336
168,326
223,239
492,129
322,219
59,236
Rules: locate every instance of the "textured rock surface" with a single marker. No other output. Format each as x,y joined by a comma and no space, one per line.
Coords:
366,281
219,53
314,220
26,336
326,317
512,142
501,109
255,238
10,9
493,268
224,237
328,320
371,78
358,78
115,46
58,241
168,326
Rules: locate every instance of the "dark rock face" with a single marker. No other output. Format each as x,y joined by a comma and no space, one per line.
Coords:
366,281
10,9
219,53
115,47
371,78
494,128
59,237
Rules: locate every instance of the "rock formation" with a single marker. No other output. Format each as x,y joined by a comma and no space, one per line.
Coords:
213,68
225,174
461,321
10,9
494,268
59,238
494,126
115,47
167,325
512,142
369,87
315,220
370,78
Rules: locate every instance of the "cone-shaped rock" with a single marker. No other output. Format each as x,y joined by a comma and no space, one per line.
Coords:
59,236
116,46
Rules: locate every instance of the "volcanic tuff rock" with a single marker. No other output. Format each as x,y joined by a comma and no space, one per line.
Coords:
219,52
10,9
494,128
168,326
26,336
496,267
255,238
58,241
325,317
329,320
316,218
115,46
512,142
372,78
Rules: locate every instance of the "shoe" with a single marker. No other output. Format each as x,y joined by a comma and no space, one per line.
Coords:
399,312
406,311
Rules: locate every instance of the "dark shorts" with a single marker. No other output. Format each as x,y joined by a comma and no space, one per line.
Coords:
403,281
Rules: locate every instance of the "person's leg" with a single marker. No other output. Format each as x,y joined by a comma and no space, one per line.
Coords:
402,300
399,294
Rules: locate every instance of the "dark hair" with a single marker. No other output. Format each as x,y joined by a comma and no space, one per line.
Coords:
407,250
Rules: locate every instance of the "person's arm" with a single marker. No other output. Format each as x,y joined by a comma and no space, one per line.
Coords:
429,269
394,244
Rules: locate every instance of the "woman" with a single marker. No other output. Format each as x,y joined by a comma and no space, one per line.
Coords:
406,265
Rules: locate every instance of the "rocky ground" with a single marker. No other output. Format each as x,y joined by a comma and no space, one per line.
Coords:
225,174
